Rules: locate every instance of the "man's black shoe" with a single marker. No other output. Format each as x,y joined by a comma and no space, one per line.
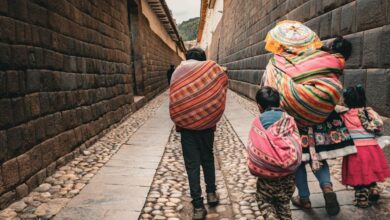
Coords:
199,213
212,199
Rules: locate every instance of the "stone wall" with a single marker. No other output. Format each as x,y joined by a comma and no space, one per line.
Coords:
364,22
157,56
66,76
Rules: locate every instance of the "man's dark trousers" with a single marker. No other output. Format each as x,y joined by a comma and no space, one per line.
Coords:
198,151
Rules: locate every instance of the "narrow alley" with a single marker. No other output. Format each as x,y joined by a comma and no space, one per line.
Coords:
85,125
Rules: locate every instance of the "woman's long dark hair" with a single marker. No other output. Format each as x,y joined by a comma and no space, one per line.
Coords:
355,97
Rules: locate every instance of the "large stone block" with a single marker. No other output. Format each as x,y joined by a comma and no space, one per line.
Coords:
372,48
18,9
354,77
336,22
35,155
18,108
3,148
37,14
5,56
7,198
29,135
24,163
32,101
13,82
325,25
15,140
7,33
377,90
4,6
10,173
355,60
33,81
6,116
385,47
370,14
348,19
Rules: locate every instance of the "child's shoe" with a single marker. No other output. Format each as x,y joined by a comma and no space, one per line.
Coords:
303,203
374,194
361,198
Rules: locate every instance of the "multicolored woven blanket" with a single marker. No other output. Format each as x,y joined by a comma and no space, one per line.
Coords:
276,151
308,83
197,94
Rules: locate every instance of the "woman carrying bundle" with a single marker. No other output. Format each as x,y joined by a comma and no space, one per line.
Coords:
307,76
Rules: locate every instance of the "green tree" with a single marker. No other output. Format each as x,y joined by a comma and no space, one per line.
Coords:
188,30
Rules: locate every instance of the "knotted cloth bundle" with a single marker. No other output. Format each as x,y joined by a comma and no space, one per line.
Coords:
276,151
308,83
197,94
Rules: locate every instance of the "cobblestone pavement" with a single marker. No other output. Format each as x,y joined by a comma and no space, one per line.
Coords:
169,196
51,196
345,194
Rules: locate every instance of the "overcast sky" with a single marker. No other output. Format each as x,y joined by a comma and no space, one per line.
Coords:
183,10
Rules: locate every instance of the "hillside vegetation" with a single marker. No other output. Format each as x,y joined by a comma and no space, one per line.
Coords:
188,30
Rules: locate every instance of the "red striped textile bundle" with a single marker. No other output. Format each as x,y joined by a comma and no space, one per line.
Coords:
276,151
308,83
197,94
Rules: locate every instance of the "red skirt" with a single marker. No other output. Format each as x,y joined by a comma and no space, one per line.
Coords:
367,166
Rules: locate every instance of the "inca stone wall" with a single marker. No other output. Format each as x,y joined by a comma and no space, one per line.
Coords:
157,56
238,40
66,76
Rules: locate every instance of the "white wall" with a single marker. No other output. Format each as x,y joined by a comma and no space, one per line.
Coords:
213,17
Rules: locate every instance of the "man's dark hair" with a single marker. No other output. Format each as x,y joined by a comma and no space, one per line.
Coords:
196,54
267,97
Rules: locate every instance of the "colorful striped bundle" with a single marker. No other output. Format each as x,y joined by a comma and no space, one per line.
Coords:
276,151
308,83
197,94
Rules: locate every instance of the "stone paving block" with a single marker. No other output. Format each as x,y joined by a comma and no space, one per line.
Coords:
77,213
346,212
343,197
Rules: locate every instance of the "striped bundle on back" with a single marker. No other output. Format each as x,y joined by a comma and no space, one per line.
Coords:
197,94
275,151
308,83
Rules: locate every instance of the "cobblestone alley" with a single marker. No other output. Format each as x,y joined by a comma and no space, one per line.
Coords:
96,97
125,175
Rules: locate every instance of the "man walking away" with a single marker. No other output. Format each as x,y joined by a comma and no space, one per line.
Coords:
196,105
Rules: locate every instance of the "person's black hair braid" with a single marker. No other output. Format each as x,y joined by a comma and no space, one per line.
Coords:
362,95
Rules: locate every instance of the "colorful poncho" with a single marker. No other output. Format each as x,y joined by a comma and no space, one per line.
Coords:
276,151
197,94
308,83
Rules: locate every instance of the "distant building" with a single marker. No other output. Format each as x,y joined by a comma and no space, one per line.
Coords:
190,44
210,16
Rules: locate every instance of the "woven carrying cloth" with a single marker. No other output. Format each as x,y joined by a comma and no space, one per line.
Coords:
197,94
291,36
308,83
276,151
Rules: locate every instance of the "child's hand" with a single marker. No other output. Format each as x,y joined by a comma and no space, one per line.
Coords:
341,109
